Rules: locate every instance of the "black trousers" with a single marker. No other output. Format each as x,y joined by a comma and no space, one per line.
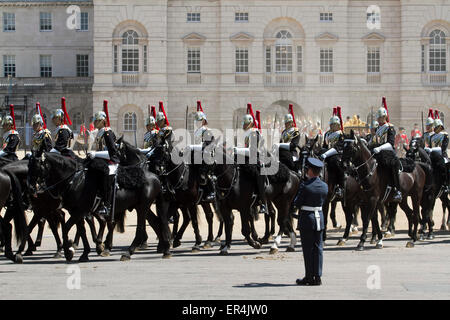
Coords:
312,246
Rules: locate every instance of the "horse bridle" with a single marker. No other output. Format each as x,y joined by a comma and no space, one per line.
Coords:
370,171
226,191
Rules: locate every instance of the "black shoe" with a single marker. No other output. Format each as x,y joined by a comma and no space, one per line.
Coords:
262,209
210,197
305,282
397,196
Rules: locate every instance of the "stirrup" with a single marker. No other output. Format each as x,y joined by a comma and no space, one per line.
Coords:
263,209
210,197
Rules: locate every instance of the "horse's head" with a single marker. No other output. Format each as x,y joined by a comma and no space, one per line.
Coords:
37,172
350,148
128,154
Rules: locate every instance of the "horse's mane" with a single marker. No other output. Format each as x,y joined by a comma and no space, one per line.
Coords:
61,161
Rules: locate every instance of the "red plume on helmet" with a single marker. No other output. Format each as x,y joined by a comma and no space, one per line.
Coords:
39,112
383,101
153,114
339,114
258,119
199,106
64,109
11,112
436,114
250,112
105,110
430,113
291,111
161,109
334,111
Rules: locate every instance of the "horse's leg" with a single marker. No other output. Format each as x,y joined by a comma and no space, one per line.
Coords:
7,234
54,227
98,242
138,236
325,207
384,221
176,221
246,228
376,230
9,215
67,244
209,215
348,223
333,215
101,231
367,210
193,213
109,239
265,238
41,225
253,232
86,247
179,234
162,207
31,246
228,221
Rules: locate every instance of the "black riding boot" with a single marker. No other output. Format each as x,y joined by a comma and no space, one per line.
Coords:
106,194
262,194
210,193
339,190
397,195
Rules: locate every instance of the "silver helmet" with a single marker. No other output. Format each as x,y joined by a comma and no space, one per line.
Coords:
58,113
438,123
199,116
37,119
7,120
248,119
288,118
150,121
99,115
382,112
429,122
335,120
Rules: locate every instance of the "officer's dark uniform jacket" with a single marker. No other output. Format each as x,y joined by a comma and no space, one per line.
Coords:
440,140
11,142
63,136
165,136
106,141
311,193
42,142
331,139
427,138
292,136
150,138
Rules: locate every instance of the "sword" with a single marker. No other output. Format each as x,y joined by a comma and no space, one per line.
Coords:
113,207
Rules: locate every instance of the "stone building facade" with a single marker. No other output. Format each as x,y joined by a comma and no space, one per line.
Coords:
226,53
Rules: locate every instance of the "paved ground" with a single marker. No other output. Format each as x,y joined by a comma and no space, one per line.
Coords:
422,272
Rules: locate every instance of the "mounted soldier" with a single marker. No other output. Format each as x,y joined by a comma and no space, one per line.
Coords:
105,160
63,134
11,139
151,136
429,129
203,137
252,143
333,153
373,130
382,144
290,140
42,137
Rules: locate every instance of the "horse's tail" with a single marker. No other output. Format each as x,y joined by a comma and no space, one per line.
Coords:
119,217
20,221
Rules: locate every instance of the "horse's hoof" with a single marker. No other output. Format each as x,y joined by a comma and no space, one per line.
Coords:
57,255
379,246
273,251
410,244
195,249
75,246
217,240
143,246
387,235
28,253
99,249
125,257
264,240
83,258
430,237
69,254
443,227
290,249
105,253
421,238
223,252
337,226
373,241
176,243
341,243
1,250
37,244
18,258
207,245
257,245
167,256
359,248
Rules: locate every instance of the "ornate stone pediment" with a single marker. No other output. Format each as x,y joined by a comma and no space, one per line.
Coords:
242,37
327,37
194,37
373,37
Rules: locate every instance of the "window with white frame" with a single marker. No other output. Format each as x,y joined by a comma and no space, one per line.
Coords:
145,59
422,69
116,59
326,16
129,121
9,66
84,21
241,60
82,65
193,17
241,16
283,52
9,21
326,60
437,52
193,60
373,17
299,59
45,21
373,60
130,51
268,59
46,66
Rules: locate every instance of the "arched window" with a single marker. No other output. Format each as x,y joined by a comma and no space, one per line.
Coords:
130,51
129,121
437,51
283,51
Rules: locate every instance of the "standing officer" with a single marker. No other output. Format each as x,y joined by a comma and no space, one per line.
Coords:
310,198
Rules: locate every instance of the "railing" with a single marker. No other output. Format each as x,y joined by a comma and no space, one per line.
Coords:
373,78
43,82
130,79
241,78
283,79
194,78
327,78
435,79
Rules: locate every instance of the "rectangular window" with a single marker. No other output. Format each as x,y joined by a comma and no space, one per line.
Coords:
130,60
115,59
145,59
373,60
46,66
241,17
438,58
193,60
9,21
9,66
326,16
82,65
283,58
423,59
45,21
326,60
193,17
241,60
299,59
84,21
268,60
